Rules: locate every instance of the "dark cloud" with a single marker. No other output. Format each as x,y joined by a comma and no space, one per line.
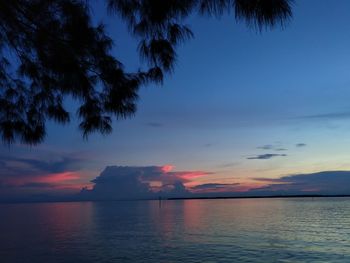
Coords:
37,185
326,182
266,156
227,165
331,115
276,147
52,174
266,147
120,183
15,165
154,124
133,182
213,186
177,189
300,145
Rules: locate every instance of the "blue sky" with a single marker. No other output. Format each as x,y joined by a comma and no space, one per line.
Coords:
234,90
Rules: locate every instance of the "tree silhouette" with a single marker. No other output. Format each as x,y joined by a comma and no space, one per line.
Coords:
50,49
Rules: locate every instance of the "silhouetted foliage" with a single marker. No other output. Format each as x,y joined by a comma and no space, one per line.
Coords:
49,49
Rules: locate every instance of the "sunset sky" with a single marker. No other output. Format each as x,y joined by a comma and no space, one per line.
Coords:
242,110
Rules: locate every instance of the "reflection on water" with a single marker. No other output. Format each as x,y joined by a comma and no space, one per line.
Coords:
239,230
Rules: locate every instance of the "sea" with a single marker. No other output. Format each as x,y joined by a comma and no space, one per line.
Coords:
217,230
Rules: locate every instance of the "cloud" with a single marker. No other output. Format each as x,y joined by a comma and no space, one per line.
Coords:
325,182
53,179
271,147
227,165
300,145
150,182
266,147
281,149
266,156
154,124
51,174
214,188
19,166
140,182
331,115
37,185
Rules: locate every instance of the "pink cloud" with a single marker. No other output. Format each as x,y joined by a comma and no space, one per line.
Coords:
167,168
59,177
53,178
188,175
168,176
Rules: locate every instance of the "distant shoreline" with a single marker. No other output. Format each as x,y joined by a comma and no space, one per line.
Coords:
254,197
169,198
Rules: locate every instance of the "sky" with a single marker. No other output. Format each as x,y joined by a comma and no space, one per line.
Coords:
243,113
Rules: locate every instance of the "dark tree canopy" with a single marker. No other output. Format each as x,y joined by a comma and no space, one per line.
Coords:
50,49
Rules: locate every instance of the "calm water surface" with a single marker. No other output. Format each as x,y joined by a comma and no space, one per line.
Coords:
237,230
